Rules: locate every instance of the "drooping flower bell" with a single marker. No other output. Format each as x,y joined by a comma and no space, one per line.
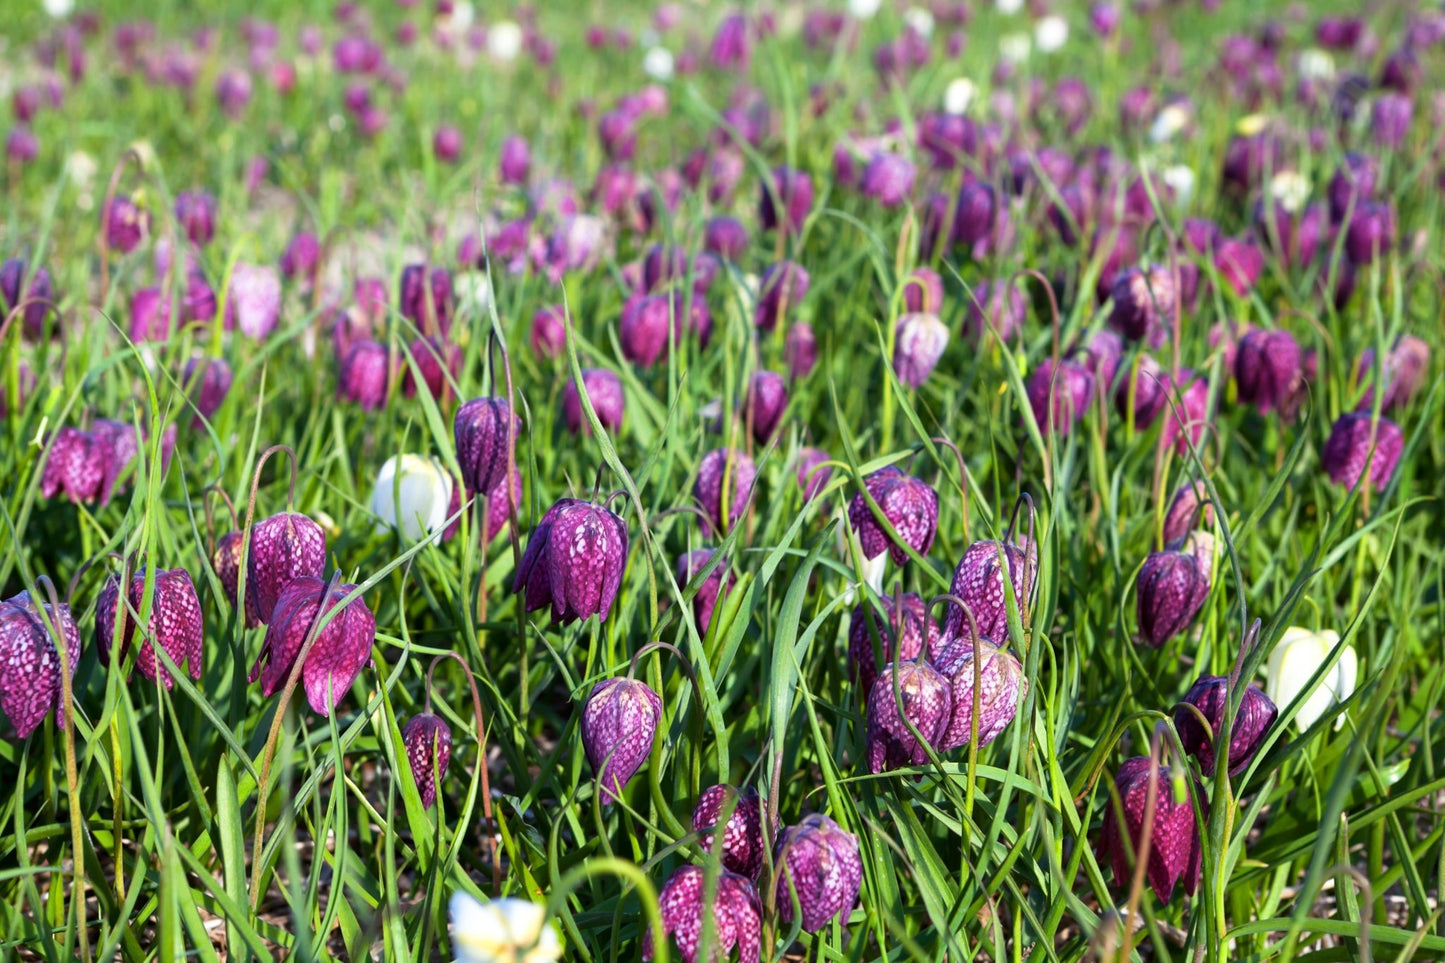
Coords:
124,224
285,547
208,381
1059,395
645,327
978,581
811,477
800,349
175,622
1144,302
1404,372
412,495
574,561
888,178
302,256
737,919
425,298
365,375
1189,509
79,465
1294,660
1357,446
923,290
785,199
1000,688
428,742
1209,695
712,589
910,506
253,303
434,357
822,864
1268,370
604,391
996,306
619,722
724,483
549,332
36,296
341,650
924,698
1175,851
742,835
918,343
783,286
30,680
485,430
196,212
764,404
1173,586
904,617
1370,232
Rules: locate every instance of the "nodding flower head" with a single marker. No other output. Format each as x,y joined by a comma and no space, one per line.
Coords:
1173,586
1060,394
742,834
800,349
302,256
485,430
619,722
888,178
785,200
910,506
365,375
428,741
1189,509
918,344
923,290
726,237
724,483
713,588
209,381
175,622
253,303
1404,372
604,391
783,286
515,161
426,298
996,306
1175,852
822,864
811,477
30,680
644,330
285,547
37,295
764,404
574,561
1269,372
1209,695
125,224
979,582
1358,446
226,559
905,618
196,212
1000,688
1144,302
924,698
549,332
737,918
78,465
1370,231
341,650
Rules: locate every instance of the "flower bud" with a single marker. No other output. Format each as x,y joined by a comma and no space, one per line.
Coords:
1296,657
175,622
764,404
1240,264
302,256
905,618
726,237
888,179
284,547
1370,232
428,742
924,698
125,224
1001,689
425,298
645,327
549,332
485,430
30,680
1189,509
604,391
1173,586
1356,445
742,838
502,931
1059,395
923,291
253,303
208,380
1175,852
618,726
1144,301
711,590
918,344
736,915
446,144
996,306
724,483
1210,696
785,199
821,863
1405,369
1354,181
574,561
515,160
910,506
341,650
1267,369
800,349
433,358
37,294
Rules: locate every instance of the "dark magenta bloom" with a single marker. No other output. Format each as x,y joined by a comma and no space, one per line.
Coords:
428,742
910,506
1294,238
341,650
742,834
821,863
426,298
1354,181
1405,369
574,561
1390,119
1268,370
643,331
1240,263
446,144
549,332
764,404
285,547
996,306
79,465
811,477
515,161
1060,395
800,349
196,210
619,722
724,483
1172,587
1357,446
737,917
997,677
712,588
175,622
365,375
923,290
905,619
30,679
124,224
924,698
485,430
150,315
1210,696
1175,852
785,200
888,179
37,296
732,45
604,391
979,582
783,287
302,256
1370,232
1144,301
1189,509
726,237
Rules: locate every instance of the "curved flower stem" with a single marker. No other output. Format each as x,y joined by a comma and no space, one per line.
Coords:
628,871
691,509
487,830
962,479
269,753
1057,320
1146,831
977,708
72,776
210,522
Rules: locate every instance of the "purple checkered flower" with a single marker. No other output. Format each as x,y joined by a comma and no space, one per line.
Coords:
736,914
175,622
485,430
822,864
1356,446
1175,852
428,742
724,472
30,680
1172,587
910,506
1209,695
574,561
924,698
285,547
604,391
341,650
619,722
904,619
979,582
742,834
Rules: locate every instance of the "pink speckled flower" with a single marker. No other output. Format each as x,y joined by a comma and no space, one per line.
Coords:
341,650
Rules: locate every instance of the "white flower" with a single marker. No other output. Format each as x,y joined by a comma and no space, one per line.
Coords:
473,290
412,493
1295,659
1051,33
58,8
462,15
1316,64
919,20
1181,181
504,40
1015,47
1169,122
658,63
502,931
1009,7
958,95
80,168
1291,189
864,9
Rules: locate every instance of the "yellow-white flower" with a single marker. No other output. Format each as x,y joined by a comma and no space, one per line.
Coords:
1295,659
919,20
1168,123
504,40
658,63
1316,64
958,95
864,9
1291,189
1051,33
502,931
412,494
1015,47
